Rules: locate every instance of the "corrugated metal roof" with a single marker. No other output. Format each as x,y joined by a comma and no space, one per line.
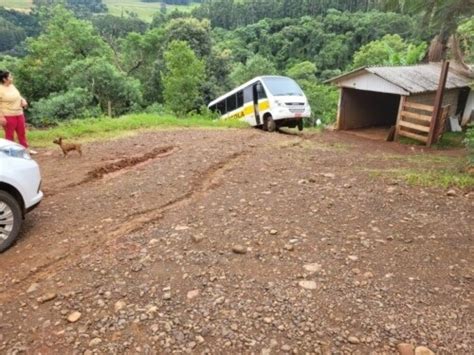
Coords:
414,78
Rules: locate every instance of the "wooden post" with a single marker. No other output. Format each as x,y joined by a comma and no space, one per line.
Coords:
109,108
399,116
338,119
438,102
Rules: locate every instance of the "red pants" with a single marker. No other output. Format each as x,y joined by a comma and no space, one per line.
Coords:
16,124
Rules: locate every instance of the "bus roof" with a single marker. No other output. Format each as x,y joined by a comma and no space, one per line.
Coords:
241,87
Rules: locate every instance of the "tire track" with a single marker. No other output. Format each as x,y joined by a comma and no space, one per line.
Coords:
117,167
208,180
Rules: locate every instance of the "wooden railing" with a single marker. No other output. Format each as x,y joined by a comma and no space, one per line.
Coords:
414,121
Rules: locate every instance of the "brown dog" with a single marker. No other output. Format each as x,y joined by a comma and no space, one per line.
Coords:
68,147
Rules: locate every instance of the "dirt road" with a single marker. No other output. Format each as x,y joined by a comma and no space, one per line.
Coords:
237,241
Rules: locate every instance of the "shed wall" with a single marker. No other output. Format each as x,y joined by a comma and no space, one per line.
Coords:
450,98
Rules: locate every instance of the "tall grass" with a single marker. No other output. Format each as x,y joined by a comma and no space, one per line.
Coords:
99,128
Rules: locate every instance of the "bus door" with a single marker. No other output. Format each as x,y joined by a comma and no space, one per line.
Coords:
256,88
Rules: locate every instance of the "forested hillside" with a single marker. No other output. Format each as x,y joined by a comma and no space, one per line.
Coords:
75,60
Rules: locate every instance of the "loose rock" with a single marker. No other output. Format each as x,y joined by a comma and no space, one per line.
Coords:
451,193
405,349
423,350
312,268
32,288
74,317
47,297
239,249
119,305
308,285
353,340
192,294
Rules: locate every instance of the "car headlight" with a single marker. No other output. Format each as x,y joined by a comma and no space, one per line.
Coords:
15,151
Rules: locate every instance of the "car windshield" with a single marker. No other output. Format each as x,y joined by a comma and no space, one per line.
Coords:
282,86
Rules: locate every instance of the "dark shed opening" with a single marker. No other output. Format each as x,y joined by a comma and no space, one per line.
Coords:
362,109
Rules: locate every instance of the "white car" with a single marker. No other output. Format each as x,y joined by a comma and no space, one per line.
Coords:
20,189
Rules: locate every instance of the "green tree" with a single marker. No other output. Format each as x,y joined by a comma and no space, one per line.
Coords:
141,56
64,40
10,35
182,78
389,50
466,38
255,66
73,104
302,71
218,68
441,17
195,32
322,98
110,88
111,28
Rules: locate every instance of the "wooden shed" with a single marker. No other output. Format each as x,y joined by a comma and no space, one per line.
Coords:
377,96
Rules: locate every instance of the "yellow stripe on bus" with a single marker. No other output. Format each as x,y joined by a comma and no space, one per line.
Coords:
247,110
264,105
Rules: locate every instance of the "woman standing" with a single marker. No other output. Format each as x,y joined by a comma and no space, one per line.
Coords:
12,117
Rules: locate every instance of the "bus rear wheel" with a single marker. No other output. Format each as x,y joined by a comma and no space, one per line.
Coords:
300,125
269,124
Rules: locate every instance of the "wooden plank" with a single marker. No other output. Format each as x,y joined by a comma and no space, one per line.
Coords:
415,126
438,102
399,115
419,106
339,108
415,136
417,116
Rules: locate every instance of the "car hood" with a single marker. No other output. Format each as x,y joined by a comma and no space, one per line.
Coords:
4,143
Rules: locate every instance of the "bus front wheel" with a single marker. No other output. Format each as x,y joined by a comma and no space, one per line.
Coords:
269,124
300,125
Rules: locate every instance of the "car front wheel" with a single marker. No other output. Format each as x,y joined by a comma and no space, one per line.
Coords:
10,220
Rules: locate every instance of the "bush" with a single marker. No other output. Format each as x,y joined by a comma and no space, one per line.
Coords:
155,108
57,107
323,101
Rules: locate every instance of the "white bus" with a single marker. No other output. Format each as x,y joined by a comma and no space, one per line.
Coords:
265,101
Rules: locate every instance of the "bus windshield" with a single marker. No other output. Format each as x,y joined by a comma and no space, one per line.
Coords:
282,86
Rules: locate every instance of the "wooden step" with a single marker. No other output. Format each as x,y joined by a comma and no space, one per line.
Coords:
415,136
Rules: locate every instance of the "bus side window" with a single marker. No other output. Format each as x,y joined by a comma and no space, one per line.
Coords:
212,108
221,107
240,99
231,102
248,94
261,91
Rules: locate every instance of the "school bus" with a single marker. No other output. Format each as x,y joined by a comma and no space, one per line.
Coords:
268,102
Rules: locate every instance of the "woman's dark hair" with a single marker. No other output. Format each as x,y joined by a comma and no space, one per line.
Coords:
4,75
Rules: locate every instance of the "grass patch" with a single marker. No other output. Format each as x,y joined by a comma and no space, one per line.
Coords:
451,140
448,140
446,177
102,128
426,160
144,10
17,4
409,141
438,178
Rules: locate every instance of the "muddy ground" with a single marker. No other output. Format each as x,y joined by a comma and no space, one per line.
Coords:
239,241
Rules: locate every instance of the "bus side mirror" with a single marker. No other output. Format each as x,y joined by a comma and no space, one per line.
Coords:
259,87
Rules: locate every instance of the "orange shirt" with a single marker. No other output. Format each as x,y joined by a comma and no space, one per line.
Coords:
10,101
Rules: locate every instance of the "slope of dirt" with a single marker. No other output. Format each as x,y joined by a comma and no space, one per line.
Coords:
237,241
